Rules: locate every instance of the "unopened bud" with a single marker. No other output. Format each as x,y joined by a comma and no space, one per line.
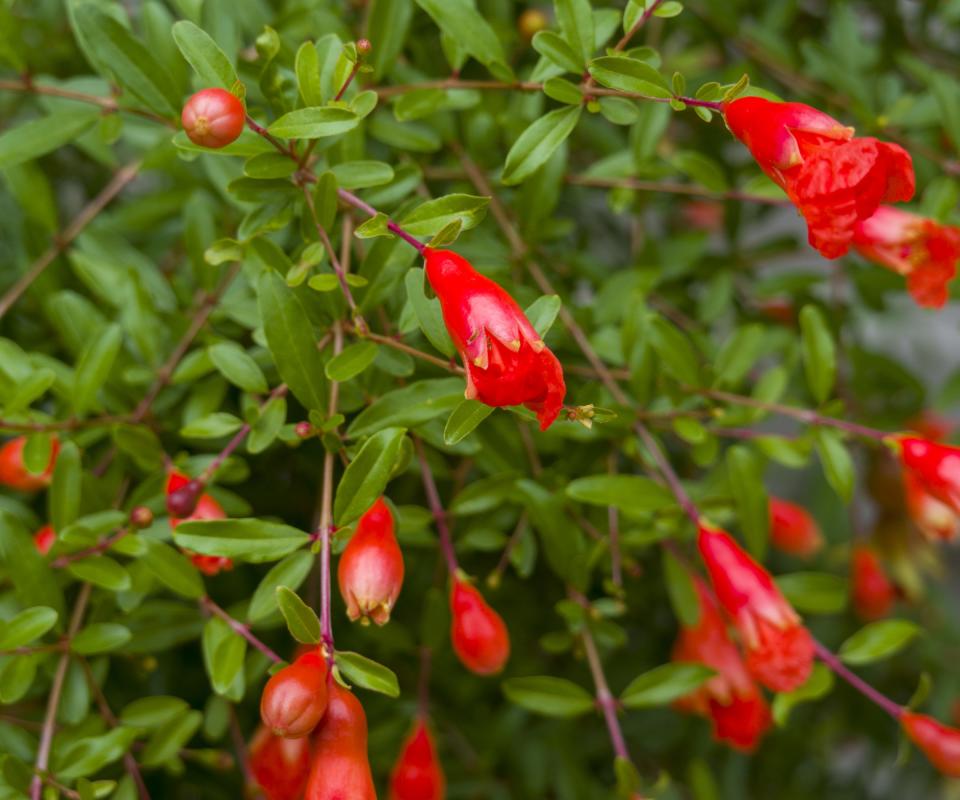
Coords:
182,502
304,430
141,517
364,46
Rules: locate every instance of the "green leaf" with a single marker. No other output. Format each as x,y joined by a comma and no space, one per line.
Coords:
204,55
354,359
41,136
253,540
90,754
837,463
563,91
664,684
238,367
629,493
66,487
408,407
101,571
739,353
212,426
814,592
464,419
362,174
819,352
223,651
745,478
173,569
388,22
543,311
291,340
301,619
629,75
168,740
361,671
434,215
558,50
307,67
677,355
366,476
538,142
428,312
315,123
291,572
26,627
460,20
152,712
669,9
269,423
576,22
94,367
877,641
681,589
552,697
100,637
818,685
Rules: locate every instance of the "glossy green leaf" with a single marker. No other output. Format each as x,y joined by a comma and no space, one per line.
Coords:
101,571
662,685
408,407
290,572
94,366
819,353
552,697
460,20
629,75
100,637
66,488
253,540
629,493
354,359
877,641
26,627
315,123
537,143
302,622
238,367
173,569
428,312
41,136
204,55
464,419
362,671
366,476
745,478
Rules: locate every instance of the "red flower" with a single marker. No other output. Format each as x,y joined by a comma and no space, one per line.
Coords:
479,635
792,529
181,490
873,592
370,572
939,743
937,521
730,698
279,766
779,648
935,467
14,473
921,249
834,179
417,775
506,361
341,767
295,698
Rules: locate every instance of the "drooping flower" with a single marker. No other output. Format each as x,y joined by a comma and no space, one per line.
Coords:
938,742
937,521
44,538
417,775
295,698
188,493
14,473
920,249
279,766
779,649
507,362
833,178
479,634
872,591
935,467
731,698
792,529
370,572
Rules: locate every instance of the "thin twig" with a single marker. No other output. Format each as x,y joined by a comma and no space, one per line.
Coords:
841,671
325,530
436,507
108,104
208,605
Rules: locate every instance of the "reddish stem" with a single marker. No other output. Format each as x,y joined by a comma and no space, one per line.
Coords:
436,507
211,607
351,199
839,668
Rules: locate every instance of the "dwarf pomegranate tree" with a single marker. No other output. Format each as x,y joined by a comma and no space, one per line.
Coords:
593,350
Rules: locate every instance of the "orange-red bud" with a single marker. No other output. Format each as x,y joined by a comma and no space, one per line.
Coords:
14,473
186,495
213,118
279,766
295,698
341,767
141,517
417,775
793,530
873,593
44,538
940,743
479,635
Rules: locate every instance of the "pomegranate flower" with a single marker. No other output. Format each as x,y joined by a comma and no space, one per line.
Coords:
935,467
279,766
793,530
14,473
44,539
204,507
937,521
779,648
479,634
872,591
417,775
834,179
731,698
507,362
938,742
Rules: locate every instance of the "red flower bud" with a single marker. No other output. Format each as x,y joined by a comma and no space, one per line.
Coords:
14,473
44,538
935,467
341,768
213,118
939,743
183,496
364,47
295,698
479,635
141,517
417,775
370,572
937,521
792,529
730,699
779,648
834,179
921,249
279,766
873,593
506,361
304,430
210,565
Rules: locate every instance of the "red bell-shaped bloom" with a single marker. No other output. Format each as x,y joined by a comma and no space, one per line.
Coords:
921,249
940,743
834,179
14,473
792,529
936,467
295,698
507,362
201,505
937,521
779,648
279,766
417,775
341,768
370,572
731,698
44,538
872,591
479,635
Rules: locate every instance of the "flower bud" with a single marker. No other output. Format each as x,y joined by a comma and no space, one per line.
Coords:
14,473
279,766
213,118
370,572
939,743
211,565
141,517
793,530
341,767
364,46
304,430
873,593
44,538
295,698
183,495
417,775
531,22
479,635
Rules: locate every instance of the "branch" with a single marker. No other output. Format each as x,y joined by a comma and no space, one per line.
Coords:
108,104
840,670
436,507
208,605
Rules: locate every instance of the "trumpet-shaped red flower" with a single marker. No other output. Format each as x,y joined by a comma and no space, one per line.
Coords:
370,572
507,362
295,698
44,538
779,648
188,495
792,529
935,467
731,698
279,766
417,775
940,743
872,591
479,635
921,249
834,179
937,521
14,473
